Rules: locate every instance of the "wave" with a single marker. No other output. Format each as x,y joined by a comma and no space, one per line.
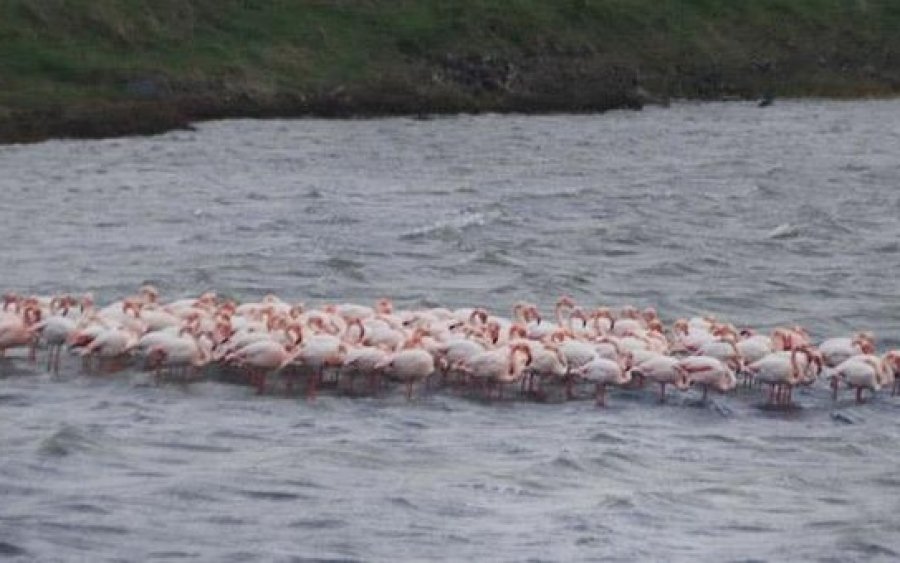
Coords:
784,231
451,225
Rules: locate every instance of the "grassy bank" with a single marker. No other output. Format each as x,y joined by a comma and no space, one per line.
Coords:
107,67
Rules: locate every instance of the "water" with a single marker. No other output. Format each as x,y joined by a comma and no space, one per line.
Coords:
763,217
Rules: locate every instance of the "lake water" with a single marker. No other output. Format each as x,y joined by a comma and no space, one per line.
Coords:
759,216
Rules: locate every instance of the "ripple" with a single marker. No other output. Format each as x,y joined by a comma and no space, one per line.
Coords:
784,231
11,550
67,441
273,495
318,524
450,226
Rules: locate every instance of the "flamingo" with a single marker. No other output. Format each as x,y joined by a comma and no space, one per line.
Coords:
779,370
260,359
318,352
709,371
55,331
409,365
892,362
860,372
499,366
664,370
186,352
110,345
789,338
361,360
836,350
752,348
603,372
548,361
15,330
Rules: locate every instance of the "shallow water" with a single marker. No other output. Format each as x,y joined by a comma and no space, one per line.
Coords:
760,216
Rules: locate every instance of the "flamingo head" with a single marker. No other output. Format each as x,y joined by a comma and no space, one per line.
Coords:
517,330
155,357
149,293
296,310
11,299
228,308
865,341
630,312
559,335
578,313
493,331
626,360
385,364
31,316
727,381
683,379
724,331
518,311
480,314
384,306
132,305
515,352
336,359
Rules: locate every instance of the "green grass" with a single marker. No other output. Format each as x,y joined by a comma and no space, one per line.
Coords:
77,53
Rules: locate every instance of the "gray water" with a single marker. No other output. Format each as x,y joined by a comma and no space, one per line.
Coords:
760,216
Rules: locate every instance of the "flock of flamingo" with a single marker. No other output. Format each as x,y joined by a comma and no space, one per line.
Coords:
357,349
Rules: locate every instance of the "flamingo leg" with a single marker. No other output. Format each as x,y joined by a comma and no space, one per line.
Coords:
409,387
289,384
352,384
312,386
859,397
662,393
600,392
705,392
261,383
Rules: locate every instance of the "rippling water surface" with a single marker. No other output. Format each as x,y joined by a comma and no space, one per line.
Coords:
760,216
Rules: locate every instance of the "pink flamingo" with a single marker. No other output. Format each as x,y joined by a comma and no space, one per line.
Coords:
664,370
409,365
709,371
498,367
861,372
603,372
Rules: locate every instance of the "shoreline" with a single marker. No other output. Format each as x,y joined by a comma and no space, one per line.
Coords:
147,119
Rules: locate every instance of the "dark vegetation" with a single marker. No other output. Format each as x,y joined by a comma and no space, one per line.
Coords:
93,68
